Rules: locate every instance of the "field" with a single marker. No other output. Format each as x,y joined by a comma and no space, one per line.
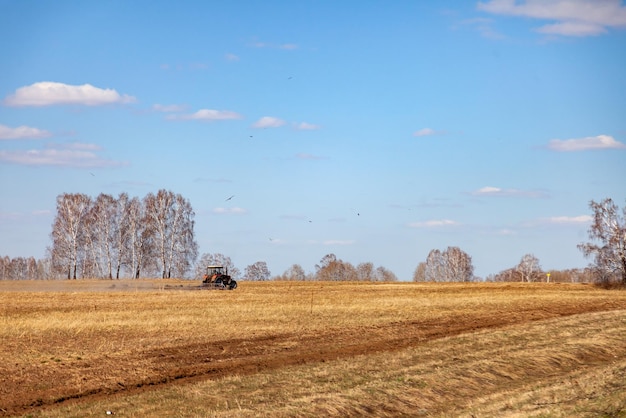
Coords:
156,348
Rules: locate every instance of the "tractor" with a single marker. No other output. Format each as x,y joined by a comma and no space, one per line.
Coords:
216,278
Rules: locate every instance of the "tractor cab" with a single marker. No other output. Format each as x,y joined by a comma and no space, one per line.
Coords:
217,277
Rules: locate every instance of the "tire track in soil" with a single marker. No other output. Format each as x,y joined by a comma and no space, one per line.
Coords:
195,362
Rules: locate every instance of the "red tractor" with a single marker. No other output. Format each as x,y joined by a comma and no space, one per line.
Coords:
215,278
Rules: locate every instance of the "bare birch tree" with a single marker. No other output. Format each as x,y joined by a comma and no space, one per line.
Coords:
103,221
122,232
528,269
257,272
183,250
419,275
458,264
608,230
435,266
68,231
366,272
451,265
385,275
294,273
333,269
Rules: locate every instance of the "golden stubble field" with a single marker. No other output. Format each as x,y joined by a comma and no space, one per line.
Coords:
158,348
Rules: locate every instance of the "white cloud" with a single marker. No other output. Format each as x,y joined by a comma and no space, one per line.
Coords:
424,132
268,122
572,17
304,126
47,93
168,108
59,157
207,114
560,220
583,144
435,223
572,29
498,192
22,132
231,57
230,211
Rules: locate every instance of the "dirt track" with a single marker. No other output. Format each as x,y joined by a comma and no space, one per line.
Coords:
191,362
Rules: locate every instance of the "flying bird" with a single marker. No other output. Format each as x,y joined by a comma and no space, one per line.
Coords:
229,198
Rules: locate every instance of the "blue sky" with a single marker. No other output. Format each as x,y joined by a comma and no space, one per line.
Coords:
375,130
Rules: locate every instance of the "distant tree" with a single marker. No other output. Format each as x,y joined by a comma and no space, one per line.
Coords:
508,275
139,247
458,266
333,269
122,232
294,273
451,265
183,250
419,275
171,219
257,272
435,266
69,232
609,231
102,220
384,275
528,269
366,272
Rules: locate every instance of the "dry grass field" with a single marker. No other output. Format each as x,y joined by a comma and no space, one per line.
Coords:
157,348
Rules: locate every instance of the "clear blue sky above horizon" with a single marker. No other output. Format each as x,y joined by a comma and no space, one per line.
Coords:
373,130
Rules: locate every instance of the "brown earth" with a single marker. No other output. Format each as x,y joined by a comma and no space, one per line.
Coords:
22,387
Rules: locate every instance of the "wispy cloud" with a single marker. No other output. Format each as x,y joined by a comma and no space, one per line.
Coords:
47,93
285,46
484,26
559,221
206,115
491,191
75,155
573,17
581,219
587,143
230,211
231,57
426,132
434,223
304,126
173,108
430,132
268,122
22,132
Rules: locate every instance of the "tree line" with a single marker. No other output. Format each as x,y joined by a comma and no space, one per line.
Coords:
118,237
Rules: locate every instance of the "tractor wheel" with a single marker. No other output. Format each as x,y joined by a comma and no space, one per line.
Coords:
233,285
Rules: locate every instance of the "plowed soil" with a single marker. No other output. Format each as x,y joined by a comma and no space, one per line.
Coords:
31,386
